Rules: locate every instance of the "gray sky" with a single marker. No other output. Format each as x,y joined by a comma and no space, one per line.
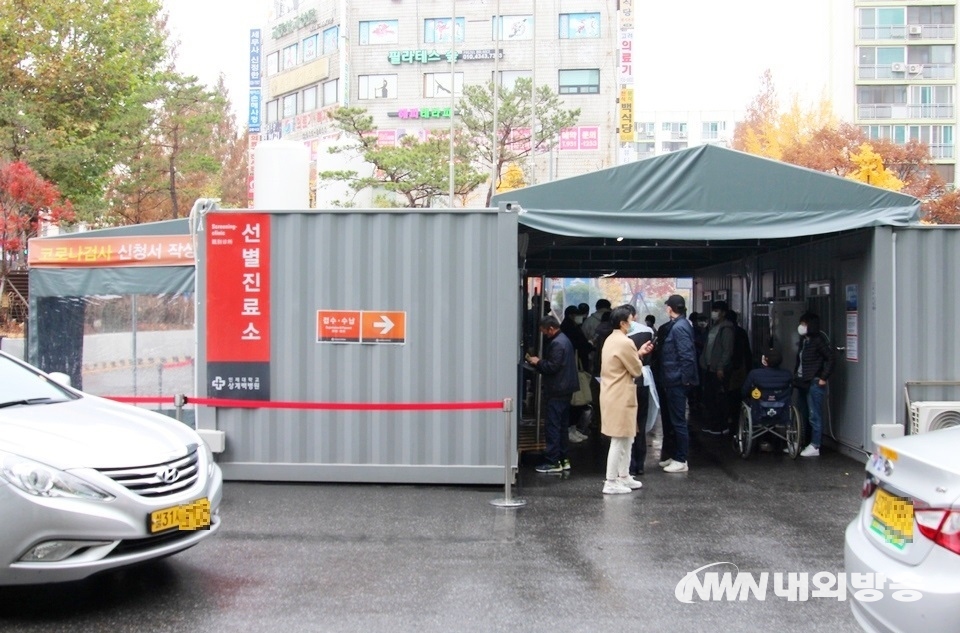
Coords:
693,55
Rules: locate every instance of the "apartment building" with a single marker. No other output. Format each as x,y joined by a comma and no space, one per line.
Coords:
393,58
662,131
906,75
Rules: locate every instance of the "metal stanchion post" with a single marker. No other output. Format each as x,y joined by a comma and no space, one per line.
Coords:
508,501
178,401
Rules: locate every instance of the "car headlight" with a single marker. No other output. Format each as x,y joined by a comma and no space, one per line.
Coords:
41,480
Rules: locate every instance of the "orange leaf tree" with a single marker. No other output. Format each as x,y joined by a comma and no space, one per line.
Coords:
26,201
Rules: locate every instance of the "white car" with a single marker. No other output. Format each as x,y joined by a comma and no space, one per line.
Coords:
902,553
88,484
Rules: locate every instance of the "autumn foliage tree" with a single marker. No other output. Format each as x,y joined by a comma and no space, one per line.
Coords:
26,201
512,179
815,139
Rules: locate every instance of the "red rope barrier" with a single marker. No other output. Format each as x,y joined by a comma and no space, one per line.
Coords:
317,406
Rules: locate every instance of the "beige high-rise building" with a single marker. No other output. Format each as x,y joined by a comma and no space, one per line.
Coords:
906,75
393,59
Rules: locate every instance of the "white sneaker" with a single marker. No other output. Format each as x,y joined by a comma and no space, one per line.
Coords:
810,451
676,467
665,463
575,437
615,487
630,482
582,436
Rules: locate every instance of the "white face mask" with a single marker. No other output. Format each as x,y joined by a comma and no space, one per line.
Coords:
715,315
802,329
634,328
578,320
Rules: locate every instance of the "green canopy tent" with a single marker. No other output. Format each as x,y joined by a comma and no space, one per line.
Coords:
681,211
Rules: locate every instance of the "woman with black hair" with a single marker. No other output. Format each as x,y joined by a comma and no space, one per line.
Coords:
814,365
620,367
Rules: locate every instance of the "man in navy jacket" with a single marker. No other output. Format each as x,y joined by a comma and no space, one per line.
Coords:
678,371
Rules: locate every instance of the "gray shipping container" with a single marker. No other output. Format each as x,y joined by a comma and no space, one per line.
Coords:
454,275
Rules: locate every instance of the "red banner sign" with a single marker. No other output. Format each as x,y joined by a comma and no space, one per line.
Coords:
238,287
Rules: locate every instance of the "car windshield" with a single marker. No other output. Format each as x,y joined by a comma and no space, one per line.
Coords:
21,385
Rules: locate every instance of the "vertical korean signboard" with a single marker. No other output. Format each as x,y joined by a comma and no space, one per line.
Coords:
238,306
255,113
627,114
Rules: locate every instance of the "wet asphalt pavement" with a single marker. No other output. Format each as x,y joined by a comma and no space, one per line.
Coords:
340,557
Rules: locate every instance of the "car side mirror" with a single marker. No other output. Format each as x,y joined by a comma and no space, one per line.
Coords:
60,378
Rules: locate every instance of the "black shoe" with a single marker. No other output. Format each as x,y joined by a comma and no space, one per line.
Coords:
637,473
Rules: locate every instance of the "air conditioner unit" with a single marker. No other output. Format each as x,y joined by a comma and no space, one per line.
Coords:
915,69
914,29
898,67
933,416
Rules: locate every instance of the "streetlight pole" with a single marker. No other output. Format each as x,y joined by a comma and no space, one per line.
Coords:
453,94
494,136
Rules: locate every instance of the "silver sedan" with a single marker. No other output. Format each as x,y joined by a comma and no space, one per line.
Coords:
88,484
902,553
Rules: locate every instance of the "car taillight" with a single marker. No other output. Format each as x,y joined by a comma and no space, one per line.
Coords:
940,526
869,486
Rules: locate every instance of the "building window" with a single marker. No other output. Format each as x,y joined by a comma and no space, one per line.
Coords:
290,105
646,129
290,56
579,81
330,92
283,7
676,130
438,84
513,27
712,129
310,99
377,87
379,32
579,26
438,30
331,39
273,63
310,48
882,23
271,111
935,15
508,78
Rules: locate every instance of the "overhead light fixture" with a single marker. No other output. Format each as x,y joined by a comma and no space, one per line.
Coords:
619,239
605,275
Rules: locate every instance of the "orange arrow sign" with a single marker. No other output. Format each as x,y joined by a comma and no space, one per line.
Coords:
383,327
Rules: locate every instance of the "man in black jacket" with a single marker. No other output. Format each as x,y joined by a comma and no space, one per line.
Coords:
814,366
559,369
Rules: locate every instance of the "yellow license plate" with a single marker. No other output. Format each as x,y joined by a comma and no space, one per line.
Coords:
892,519
189,516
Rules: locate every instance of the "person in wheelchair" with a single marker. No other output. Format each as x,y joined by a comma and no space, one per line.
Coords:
767,391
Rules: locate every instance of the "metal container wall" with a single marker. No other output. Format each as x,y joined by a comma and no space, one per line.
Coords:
454,274
926,305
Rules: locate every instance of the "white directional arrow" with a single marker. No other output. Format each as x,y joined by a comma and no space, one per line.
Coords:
385,324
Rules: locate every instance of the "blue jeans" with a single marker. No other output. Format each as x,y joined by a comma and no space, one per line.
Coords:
677,408
557,427
810,402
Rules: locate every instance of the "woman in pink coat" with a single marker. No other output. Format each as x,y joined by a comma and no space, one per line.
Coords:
619,367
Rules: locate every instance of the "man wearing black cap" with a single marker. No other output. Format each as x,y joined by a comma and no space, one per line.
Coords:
678,374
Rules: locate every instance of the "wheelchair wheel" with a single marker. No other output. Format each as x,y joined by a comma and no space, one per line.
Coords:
794,433
743,439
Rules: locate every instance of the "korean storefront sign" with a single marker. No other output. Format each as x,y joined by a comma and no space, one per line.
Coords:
626,115
238,306
138,250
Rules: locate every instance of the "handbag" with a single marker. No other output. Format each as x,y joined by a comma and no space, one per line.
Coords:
583,396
